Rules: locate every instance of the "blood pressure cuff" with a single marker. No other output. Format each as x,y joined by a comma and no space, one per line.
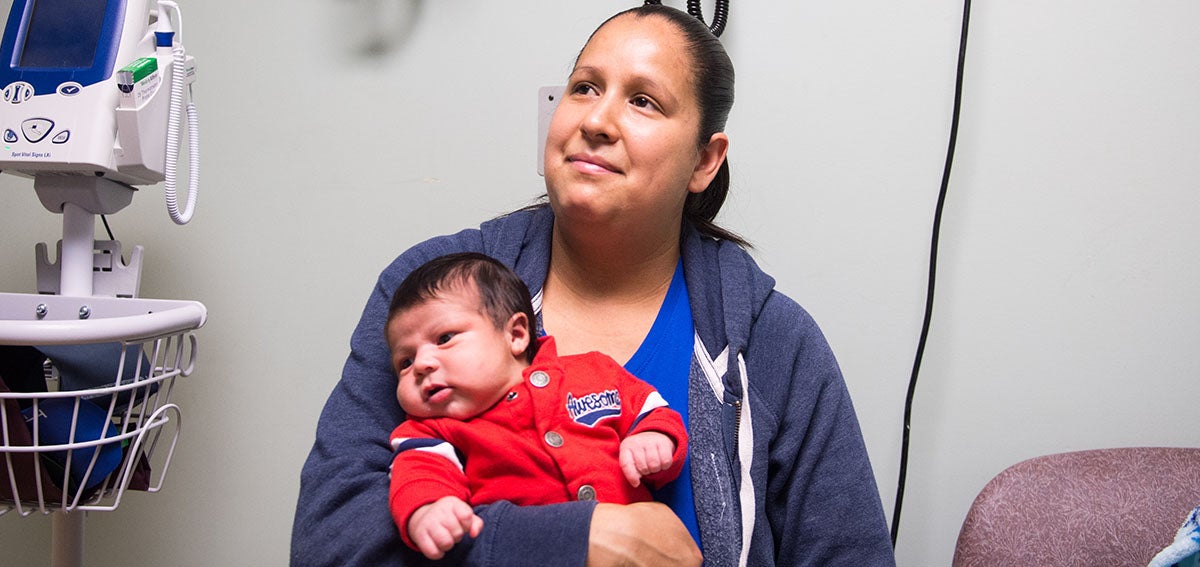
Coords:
88,366
24,366
83,367
21,369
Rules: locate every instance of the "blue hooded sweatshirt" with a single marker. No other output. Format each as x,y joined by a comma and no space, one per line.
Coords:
779,470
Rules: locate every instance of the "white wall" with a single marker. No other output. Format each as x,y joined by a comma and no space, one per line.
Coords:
1066,307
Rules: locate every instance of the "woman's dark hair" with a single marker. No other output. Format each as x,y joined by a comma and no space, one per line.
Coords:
501,292
712,79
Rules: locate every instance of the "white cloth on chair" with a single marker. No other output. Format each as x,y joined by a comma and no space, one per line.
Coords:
1185,550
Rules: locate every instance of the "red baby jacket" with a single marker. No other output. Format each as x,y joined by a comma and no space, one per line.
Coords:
553,438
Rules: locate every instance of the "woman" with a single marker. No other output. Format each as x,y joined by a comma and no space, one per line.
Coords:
626,260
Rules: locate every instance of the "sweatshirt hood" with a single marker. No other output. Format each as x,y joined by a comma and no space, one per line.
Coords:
723,308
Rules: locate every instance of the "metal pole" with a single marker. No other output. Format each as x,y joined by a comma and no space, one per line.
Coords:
66,542
76,263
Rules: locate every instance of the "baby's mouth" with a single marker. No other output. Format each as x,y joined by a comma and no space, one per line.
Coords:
437,394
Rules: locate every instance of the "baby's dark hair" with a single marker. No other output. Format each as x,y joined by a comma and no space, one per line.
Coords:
501,293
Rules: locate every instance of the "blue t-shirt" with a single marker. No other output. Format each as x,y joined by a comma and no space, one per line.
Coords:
664,359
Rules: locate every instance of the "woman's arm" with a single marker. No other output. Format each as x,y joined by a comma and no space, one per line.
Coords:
822,503
645,534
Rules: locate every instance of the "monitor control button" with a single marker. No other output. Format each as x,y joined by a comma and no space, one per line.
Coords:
36,128
18,92
70,88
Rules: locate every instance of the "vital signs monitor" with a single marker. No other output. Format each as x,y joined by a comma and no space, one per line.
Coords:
96,88
93,95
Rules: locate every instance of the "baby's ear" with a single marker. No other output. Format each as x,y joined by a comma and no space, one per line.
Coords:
517,330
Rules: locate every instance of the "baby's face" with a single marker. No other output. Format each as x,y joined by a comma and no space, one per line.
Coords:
450,358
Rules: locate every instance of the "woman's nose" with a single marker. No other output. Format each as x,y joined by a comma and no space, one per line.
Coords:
599,123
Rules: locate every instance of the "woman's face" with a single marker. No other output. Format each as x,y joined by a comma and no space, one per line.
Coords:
622,146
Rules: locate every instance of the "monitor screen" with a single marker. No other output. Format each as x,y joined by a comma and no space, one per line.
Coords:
62,34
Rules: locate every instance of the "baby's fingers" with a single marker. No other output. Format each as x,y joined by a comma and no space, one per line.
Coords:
467,520
436,541
629,467
437,527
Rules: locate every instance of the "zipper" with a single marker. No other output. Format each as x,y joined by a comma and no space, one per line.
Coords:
737,425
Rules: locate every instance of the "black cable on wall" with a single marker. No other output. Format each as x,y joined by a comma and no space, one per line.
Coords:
933,254
720,13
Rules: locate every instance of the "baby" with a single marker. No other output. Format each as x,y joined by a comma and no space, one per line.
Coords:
495,414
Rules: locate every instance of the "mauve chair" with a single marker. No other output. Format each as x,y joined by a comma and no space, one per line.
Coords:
1104,507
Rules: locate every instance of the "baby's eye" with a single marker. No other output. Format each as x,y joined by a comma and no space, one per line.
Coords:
404,363
444,338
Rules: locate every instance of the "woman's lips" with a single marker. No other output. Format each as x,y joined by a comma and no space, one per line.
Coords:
591,164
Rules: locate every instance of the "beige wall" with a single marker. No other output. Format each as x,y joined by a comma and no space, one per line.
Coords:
338,132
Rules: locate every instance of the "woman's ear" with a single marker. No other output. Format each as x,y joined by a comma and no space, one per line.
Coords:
712,155
517,331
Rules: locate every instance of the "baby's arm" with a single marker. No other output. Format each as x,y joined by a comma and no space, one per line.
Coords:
436,527
643,454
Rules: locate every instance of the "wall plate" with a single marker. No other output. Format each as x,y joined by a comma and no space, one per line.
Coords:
547,102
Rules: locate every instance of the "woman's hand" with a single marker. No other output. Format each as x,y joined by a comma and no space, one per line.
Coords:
645,533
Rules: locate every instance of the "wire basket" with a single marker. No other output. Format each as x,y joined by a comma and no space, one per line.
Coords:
85,397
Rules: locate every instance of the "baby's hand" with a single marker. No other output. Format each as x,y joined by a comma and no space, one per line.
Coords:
437,526
644,454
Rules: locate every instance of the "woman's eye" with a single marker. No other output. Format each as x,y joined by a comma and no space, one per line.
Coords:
583,89
444,338
642,102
